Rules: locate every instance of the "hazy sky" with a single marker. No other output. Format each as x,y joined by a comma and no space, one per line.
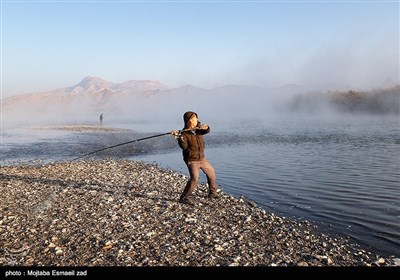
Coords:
51,44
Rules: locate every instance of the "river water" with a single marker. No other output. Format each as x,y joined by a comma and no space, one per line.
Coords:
342,174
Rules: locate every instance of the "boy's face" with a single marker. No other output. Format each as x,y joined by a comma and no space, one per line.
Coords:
193,121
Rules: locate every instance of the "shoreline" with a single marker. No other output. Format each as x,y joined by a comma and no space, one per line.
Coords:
126,213
81,128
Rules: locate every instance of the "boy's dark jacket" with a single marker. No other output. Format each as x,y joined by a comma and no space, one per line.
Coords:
191,141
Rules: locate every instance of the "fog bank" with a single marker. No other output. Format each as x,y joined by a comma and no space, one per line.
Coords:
165,107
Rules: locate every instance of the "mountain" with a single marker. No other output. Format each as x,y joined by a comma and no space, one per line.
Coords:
91,95
90,84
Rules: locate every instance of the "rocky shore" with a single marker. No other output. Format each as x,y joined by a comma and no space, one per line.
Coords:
126,213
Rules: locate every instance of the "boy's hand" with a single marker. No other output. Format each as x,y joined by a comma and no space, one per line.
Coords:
203,126
177,135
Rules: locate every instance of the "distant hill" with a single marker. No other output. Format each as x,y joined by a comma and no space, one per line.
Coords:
91,96
91,92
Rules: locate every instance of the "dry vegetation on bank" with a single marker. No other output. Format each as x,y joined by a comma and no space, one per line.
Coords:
381,101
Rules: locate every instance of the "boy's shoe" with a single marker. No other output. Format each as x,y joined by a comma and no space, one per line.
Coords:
186,200
212,195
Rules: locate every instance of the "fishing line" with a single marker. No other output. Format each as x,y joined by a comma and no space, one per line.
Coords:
132,141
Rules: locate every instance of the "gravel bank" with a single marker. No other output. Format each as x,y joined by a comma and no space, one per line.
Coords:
125,213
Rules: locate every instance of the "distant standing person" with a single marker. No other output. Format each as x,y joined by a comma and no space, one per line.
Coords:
190,139
101,119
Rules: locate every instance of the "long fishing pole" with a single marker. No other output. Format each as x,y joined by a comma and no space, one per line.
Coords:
132,141
137,140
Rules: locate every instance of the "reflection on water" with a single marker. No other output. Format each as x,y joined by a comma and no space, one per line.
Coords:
342,174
